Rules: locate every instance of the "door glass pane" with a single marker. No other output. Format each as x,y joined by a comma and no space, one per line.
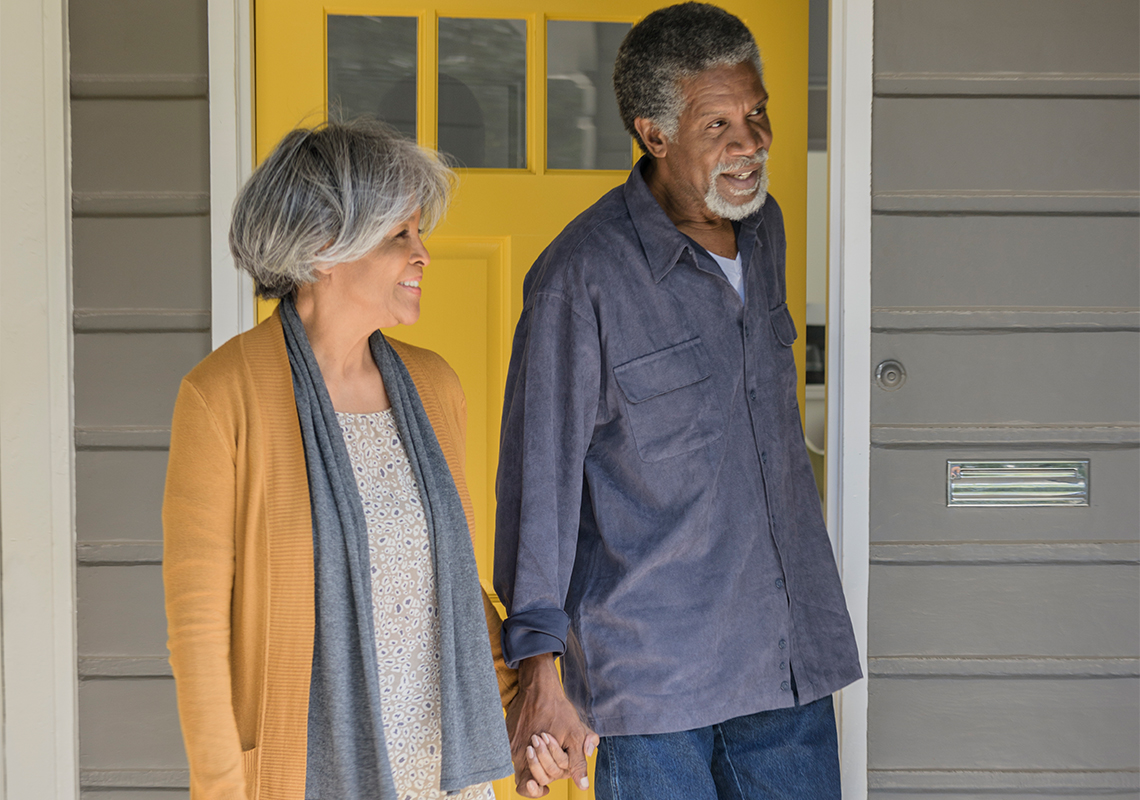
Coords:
372,69
583,127
482,91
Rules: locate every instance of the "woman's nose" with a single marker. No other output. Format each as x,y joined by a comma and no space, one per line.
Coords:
420,254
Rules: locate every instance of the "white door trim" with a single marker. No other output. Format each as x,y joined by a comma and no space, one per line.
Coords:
849,346
230,35
39,745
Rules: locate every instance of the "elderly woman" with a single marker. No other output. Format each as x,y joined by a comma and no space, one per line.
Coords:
322,600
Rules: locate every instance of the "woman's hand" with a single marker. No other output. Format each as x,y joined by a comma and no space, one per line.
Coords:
541,709
547,763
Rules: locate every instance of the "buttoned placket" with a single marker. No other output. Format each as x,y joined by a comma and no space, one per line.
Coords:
754,355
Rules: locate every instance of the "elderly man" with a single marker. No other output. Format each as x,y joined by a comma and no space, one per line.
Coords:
658,525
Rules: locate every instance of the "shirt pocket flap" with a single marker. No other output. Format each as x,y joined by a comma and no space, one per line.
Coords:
663,371
783,324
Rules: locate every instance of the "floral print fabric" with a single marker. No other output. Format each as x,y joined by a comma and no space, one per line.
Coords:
404,611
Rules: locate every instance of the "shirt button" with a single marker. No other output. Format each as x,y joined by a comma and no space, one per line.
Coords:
752,394
783,644
783,665
784,686
779,583
764,458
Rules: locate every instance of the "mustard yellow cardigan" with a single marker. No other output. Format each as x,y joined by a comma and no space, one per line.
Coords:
238,561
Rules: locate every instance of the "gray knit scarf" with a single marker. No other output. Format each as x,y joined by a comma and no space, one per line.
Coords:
347,756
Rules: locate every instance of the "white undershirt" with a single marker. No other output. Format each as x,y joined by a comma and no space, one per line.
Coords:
733,269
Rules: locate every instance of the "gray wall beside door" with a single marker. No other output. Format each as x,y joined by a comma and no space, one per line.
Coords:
141,294
1003,642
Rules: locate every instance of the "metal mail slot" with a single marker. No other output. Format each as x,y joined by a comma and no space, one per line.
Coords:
1017,483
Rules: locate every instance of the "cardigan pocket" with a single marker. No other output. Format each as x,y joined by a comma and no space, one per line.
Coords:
250,762
669,400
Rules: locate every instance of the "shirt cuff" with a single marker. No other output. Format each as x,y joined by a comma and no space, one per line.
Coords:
532,633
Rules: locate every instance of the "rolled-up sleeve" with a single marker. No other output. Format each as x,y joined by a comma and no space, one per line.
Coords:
549,411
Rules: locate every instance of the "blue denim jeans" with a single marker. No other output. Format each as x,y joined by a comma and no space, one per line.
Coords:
786,754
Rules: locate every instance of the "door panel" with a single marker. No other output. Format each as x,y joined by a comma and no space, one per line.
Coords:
508,210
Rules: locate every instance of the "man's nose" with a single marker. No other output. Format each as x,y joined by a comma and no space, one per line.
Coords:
750,140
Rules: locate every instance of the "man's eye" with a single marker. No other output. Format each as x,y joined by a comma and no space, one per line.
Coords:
759,112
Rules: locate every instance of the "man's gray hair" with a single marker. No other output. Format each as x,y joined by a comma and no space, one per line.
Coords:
330,194
668,46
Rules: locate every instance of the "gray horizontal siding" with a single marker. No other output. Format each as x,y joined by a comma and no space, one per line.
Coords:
132,379
1018,377
141,294
1005,144
121,611
129,724
1027,724
1001,609
1057,37
128,263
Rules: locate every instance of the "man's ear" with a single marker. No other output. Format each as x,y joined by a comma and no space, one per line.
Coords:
651,135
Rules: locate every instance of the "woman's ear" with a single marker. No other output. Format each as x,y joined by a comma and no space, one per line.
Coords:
323,271
651,135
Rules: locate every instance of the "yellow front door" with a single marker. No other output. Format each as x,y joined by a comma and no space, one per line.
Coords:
517,92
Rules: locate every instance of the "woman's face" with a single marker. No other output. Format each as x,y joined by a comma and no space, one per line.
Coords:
386,282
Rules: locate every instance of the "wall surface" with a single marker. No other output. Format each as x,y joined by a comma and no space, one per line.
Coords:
141,291
1003,642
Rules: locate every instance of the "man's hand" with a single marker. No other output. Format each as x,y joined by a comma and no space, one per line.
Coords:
541,721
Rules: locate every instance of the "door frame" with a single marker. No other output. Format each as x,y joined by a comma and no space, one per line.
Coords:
38,665
850,92
230,44
849,289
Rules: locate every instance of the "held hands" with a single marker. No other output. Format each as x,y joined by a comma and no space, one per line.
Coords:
548,739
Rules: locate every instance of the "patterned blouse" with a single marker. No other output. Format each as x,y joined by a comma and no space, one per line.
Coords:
404,609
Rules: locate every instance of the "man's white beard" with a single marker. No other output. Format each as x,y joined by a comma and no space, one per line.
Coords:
722,207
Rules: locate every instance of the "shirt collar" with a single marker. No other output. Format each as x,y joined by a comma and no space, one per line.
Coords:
662,242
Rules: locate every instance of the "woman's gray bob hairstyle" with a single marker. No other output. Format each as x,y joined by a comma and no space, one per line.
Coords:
666,47
330,194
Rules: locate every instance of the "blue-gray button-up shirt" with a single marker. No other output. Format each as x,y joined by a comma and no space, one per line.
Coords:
658,523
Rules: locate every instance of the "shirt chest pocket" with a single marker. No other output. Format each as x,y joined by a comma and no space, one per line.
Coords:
669,401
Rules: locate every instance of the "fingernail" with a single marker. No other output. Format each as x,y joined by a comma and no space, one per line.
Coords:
529,751
589,749
584,783
546,737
